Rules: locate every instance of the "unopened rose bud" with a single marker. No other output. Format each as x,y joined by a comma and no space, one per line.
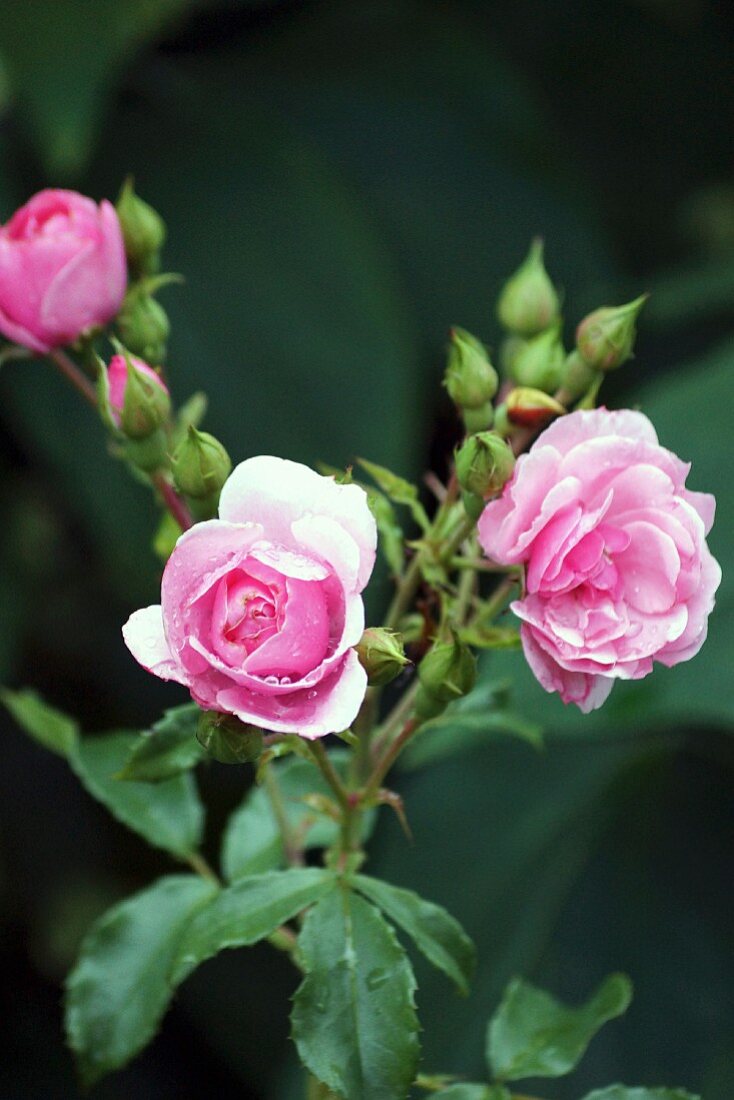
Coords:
528,302
448,671
200,465
578,377
470,378
143,326
143,229
510,348
228,740
529,408
483,464
62,270
138,399
606,337
381,655
540,362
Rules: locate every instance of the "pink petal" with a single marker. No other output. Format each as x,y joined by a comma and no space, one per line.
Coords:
145,638
699,608
329,707
648,568
201,555
588,692
300,644
276,493
569,431
704,504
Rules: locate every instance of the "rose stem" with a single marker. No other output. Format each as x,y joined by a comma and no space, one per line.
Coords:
175,505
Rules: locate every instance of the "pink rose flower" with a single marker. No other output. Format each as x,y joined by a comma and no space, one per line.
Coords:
117,381
617,570
260,609
62,269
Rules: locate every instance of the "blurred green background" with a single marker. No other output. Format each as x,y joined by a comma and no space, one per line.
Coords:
342,182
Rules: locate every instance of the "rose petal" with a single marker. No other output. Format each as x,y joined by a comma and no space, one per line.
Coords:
328,707
276,493
145,638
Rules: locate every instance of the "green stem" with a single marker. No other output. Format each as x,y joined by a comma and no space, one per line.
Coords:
374,783
291,848
406,590
396,719
498,599
73,374
197,863
327,769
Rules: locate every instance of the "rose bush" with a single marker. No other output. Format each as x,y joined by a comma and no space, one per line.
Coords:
617,570
260,608
62,269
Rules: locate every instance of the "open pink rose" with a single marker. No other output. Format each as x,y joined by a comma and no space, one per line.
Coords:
261,608
117,381
62,269
617,570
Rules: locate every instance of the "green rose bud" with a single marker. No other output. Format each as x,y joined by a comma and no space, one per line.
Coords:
200,465
228,740
470,377
146,405
448,671
578,378
540,362
528,302
484,463
143,326
381,655
606,337
143,230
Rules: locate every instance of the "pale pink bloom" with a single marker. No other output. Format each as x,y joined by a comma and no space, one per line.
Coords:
117,381
261,608
62,269
617,570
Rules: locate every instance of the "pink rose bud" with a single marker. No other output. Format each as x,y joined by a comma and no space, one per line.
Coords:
261,609
149,409
617,570
62,269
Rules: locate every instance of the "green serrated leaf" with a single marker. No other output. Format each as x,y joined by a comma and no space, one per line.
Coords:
119,989
397,489
167,749
168,815
247,912
46,725
533,1035
252,841
434,931
622,1092
354,1020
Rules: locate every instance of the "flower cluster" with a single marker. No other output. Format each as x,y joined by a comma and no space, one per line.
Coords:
261,608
